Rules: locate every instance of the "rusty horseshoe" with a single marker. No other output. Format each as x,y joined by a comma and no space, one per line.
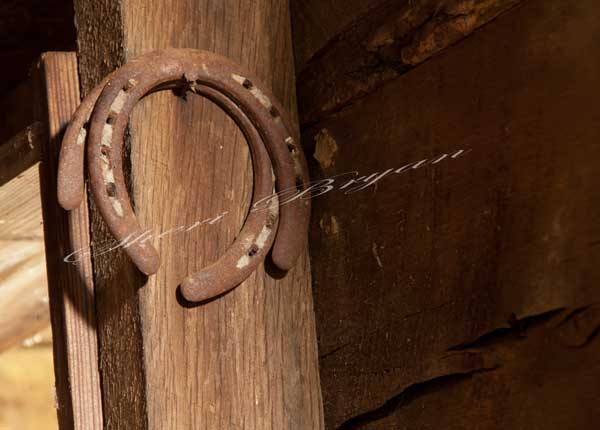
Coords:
278,163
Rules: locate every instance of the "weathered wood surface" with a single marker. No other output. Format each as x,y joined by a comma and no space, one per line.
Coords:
248,359
318,24
70,286
23,291
23,287
429,260
542,381
20,152
377,46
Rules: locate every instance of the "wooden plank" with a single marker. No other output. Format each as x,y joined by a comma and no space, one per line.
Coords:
20,152
387,41
23,291
70,286
318,24
16,108
431,258
248,359
23,285
21,211
539,383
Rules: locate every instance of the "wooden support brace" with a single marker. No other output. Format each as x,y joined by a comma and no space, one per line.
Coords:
20,152
70,286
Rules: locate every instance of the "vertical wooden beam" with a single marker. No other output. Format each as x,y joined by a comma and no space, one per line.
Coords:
247,359
70,286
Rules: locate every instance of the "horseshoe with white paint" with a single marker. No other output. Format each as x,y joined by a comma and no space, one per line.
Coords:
102,117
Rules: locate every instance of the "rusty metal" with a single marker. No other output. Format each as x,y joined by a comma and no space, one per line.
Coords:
101,120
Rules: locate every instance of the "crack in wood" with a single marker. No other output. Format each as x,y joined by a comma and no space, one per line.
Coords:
408,395
570,327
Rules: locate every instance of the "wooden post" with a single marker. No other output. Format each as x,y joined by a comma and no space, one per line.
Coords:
248,359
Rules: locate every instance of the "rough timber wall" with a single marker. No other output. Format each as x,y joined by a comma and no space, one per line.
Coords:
461,291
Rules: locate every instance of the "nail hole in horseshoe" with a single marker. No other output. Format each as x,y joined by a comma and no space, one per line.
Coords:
111,119
255,119
274,112
111,189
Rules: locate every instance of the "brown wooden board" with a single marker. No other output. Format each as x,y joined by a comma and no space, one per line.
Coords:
247,359
71,288
377,46
435,257
20,152
539,382
23,286
317,24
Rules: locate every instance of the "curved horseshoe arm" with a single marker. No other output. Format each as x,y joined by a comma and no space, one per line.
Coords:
258,115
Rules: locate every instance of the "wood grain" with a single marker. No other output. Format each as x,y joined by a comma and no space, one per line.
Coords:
248,359
319,24
539,384
71,287
434,257
23,285
23,291
20,152
379,45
